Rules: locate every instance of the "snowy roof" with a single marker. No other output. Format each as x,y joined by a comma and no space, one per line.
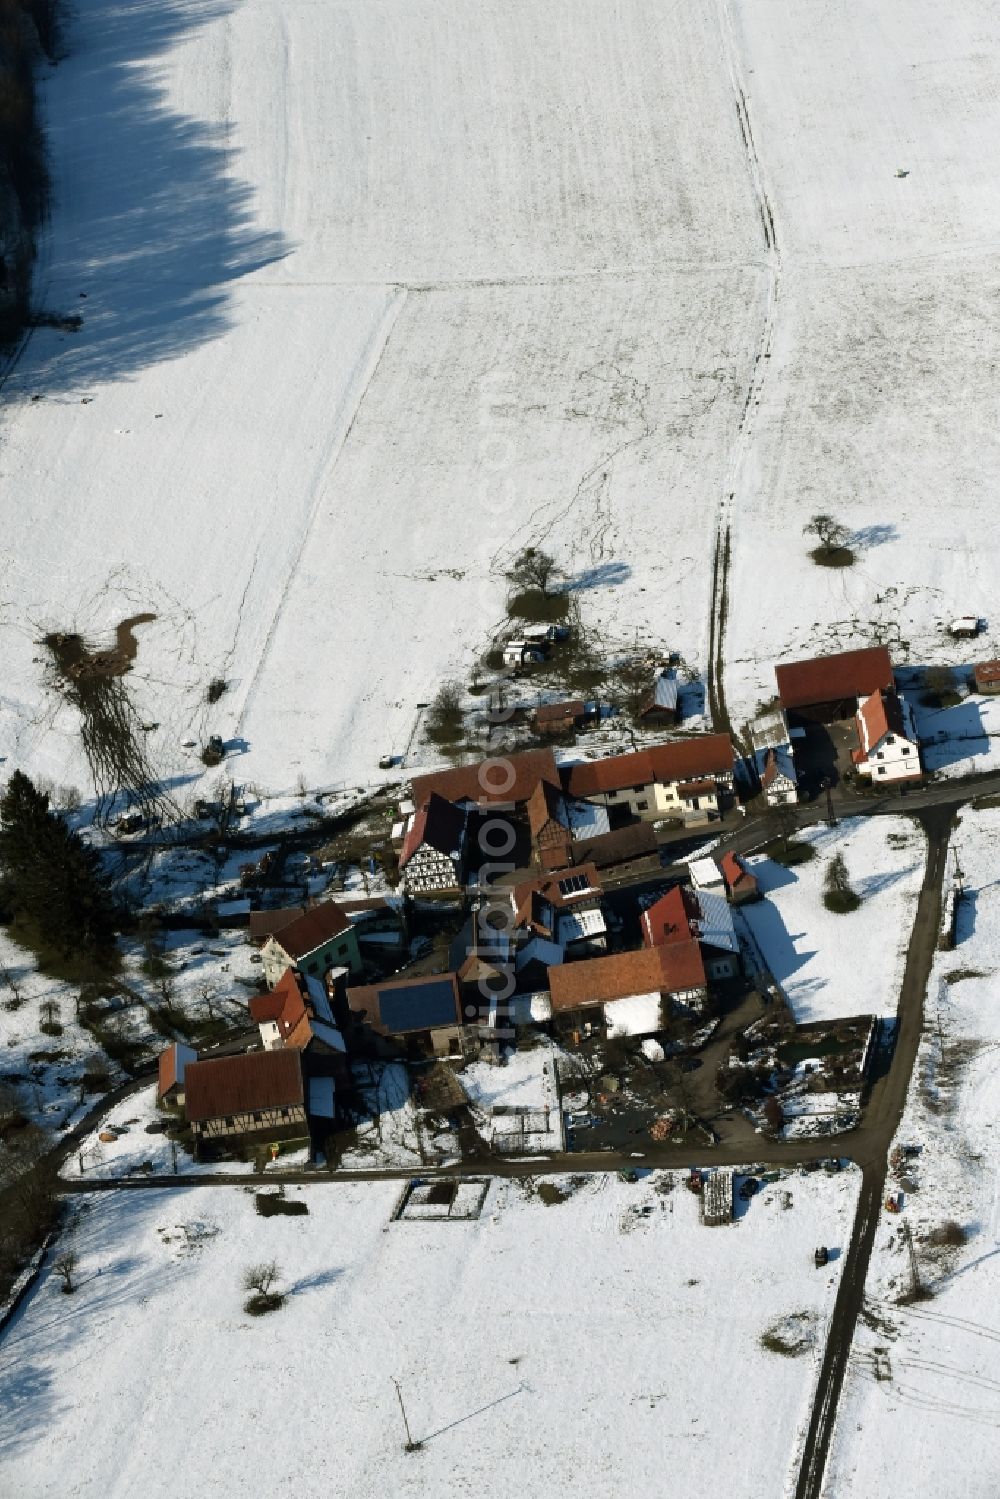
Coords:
587,819
715,926
665,691
576,924
636,1016
705,873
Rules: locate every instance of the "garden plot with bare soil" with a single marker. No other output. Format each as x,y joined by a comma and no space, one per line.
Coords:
924,1377
834,964
539,1346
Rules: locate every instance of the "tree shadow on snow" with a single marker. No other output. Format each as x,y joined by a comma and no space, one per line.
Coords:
159,226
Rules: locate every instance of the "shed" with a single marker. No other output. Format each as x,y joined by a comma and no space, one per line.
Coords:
987,677
965,627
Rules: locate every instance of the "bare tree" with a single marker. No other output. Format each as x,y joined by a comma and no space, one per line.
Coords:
831,535
532,569
259,1282
65,1267
49,1011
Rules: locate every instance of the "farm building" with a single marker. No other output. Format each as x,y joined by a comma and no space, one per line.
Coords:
258,1096
824,689
688,778
633,844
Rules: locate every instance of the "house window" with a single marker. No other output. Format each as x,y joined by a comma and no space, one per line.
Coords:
879,755
881,770
890,739
904,750
642,806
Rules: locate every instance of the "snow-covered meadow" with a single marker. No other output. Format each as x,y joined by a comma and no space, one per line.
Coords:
539,1348
829,965
924,1379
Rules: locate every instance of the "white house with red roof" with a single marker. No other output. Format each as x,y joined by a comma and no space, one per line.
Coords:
888,749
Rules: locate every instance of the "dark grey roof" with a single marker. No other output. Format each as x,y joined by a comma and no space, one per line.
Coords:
418,1006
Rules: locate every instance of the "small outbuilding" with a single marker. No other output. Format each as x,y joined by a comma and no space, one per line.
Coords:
987,677
965,627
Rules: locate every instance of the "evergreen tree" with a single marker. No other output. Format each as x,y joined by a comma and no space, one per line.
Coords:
51,879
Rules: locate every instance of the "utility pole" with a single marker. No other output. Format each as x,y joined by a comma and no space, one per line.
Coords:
916,1287
411,1445
831,815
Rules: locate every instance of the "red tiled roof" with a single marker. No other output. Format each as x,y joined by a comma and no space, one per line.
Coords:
314,927
678,760
242,1084
598,981
734,873
507,778
683,967
669,919
545,805
770,773
988,673
171,1066
267,1007
695,788
546,887
824,679
551,714
880,714
440,825
264,924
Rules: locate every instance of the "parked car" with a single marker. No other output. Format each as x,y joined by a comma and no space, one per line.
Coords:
821,1257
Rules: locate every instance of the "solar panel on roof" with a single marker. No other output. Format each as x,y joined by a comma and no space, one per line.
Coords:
418,1007
572,883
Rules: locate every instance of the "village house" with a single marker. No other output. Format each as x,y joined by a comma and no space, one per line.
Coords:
559,917
701,917
777,776
548,822
170,1072
560,718
706,875
687,778
297,1012
505,781
255,1097
741,885
320,939
433,854
419,1017
888,749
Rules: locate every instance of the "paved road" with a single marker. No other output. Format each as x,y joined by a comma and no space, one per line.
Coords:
882,1120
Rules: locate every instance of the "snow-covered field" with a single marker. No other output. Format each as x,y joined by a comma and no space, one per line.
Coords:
372,295
539,1349
831,965
924,1381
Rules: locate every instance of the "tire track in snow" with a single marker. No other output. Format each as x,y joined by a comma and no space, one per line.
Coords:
745,431
370,364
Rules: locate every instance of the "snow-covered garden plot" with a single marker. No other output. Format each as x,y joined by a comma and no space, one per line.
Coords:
962,740
518,1102
831,965
921,1403
539,1348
